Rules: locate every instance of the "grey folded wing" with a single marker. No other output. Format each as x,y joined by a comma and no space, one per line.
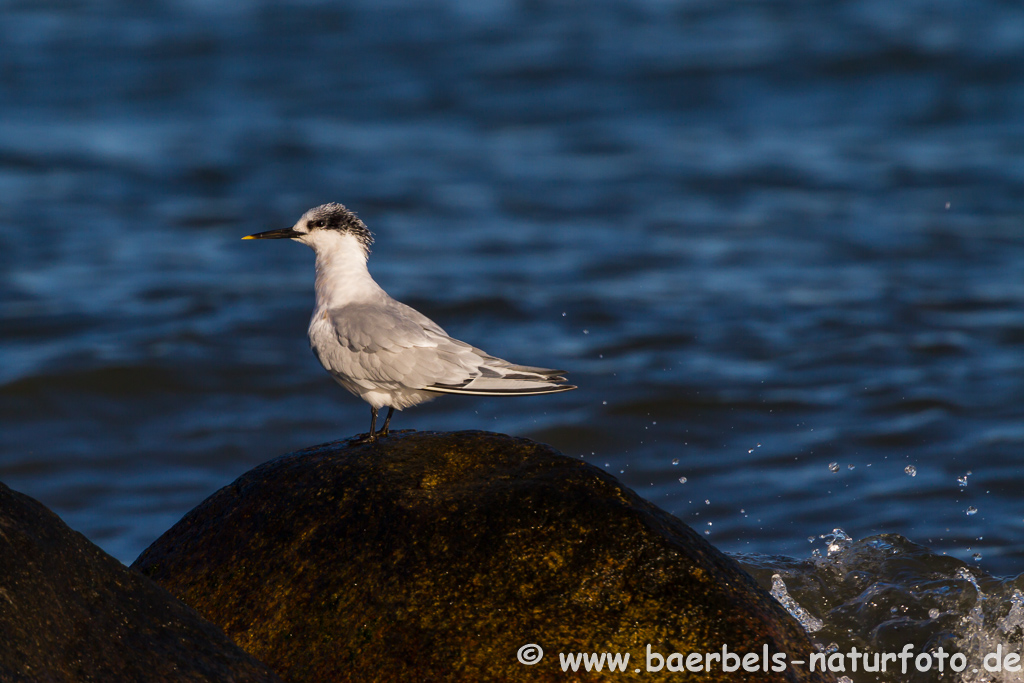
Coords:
389,344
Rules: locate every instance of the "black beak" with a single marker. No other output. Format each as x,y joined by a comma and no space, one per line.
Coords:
286,233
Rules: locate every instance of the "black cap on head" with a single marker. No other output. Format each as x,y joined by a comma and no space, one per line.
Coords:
335,216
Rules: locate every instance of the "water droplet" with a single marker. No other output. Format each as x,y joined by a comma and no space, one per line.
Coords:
563,314
675,461
933,613
947,205
707,532
833,467
750,450
850,467
810,539
682,480
604,403
976,557
586,331
971,510
710,523
707,502
911,470
962,481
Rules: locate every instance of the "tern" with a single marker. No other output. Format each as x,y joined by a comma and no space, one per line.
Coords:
386,353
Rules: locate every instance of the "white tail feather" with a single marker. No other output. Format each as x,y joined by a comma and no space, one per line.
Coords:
507,388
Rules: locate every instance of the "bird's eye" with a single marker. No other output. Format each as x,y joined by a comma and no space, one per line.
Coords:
317,224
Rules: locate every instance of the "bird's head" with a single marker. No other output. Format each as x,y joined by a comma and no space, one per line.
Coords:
328,226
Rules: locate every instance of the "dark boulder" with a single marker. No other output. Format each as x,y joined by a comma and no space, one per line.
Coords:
69,612
437,556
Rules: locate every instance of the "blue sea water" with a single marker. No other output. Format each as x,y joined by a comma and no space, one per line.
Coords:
778,245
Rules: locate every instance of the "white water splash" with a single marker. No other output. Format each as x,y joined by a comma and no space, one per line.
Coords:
981,635
810,622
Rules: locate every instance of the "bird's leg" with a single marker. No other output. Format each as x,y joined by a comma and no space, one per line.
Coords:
384,430
372,436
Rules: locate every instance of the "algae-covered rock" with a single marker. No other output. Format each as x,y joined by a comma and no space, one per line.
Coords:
438,556
69,612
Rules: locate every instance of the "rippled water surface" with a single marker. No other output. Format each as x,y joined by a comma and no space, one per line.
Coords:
779,246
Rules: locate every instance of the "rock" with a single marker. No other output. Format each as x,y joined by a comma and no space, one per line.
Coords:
70,612
437,556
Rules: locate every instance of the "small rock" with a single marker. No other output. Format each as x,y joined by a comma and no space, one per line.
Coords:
69,612
438,556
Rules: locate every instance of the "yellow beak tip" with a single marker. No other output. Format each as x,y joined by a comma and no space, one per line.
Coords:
248,237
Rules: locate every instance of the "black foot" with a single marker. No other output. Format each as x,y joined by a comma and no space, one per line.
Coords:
372,435
367,438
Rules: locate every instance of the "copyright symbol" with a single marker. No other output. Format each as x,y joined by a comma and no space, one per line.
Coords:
530,654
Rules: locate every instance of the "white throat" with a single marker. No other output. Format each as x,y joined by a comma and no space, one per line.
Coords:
341,274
